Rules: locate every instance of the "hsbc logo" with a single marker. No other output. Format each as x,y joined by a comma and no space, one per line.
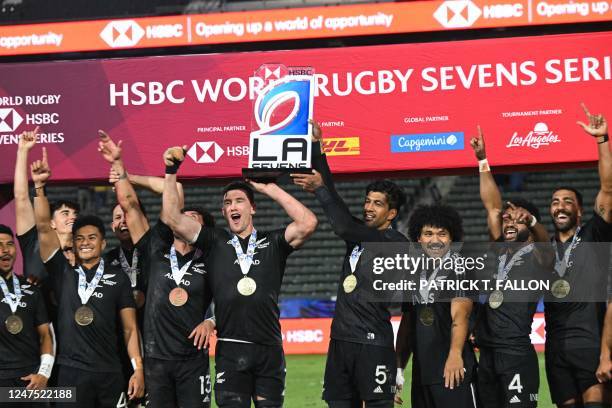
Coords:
211,152
457,13
205,152
9,120
123,33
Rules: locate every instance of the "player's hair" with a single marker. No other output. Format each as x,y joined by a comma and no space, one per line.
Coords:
523,203
56,205
242,186
438,216
5,229
142,207
573,190
85,220
209,220
395,195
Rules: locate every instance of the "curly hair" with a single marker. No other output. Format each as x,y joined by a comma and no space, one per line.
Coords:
437,215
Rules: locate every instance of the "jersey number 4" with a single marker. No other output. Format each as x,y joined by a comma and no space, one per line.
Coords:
515,384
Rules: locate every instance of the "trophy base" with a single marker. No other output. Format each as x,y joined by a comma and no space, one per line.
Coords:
272,175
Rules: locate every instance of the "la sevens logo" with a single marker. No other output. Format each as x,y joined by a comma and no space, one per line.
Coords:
275,96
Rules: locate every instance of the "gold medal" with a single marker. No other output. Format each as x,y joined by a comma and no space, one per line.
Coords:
350,283
426,316
496,298
178,297
560,288
246,286
14,324
139,298
84,316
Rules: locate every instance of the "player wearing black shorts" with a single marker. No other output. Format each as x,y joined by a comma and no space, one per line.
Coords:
361,364
26,343
90,296
579,333
174,277
245,268
435,325
508,373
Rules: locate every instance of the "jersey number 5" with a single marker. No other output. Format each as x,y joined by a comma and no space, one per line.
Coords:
381,374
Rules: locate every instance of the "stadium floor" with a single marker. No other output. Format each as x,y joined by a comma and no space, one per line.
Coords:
305,381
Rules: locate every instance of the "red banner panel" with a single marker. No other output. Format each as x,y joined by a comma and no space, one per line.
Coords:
409,107
295,23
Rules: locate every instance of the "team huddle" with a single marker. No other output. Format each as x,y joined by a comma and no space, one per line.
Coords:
131,325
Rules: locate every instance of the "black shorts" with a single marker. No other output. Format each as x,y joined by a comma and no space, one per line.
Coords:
359,371
93,389
252,370
571,372
438,396
508,380
182,383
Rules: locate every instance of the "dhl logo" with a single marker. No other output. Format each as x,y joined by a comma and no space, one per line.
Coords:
340,146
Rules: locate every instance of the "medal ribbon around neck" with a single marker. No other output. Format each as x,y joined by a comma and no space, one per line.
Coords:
562,264
424,292
503,269
245,260
85,289
177,274
14,298
129,270
354,258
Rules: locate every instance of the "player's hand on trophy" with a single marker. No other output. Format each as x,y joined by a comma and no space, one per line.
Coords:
317,133
597,126
478,145
262,188
308,182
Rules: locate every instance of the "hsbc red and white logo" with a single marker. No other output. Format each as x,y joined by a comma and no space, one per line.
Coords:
9,120
211,152
457,13
123,33
205,152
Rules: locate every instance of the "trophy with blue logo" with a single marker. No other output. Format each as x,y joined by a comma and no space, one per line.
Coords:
281,132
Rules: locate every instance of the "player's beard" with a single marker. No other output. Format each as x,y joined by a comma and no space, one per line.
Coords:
569,224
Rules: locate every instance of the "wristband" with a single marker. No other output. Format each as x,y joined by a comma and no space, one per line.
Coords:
602,139
42,188
46,365
534,221
399,377
136,363
483,165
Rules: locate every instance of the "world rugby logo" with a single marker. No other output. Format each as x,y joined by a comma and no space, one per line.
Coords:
282,111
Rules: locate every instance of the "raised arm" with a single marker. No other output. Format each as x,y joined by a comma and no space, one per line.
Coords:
48,239
304,221
489,192
126,195
24,212
183,226
598,128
